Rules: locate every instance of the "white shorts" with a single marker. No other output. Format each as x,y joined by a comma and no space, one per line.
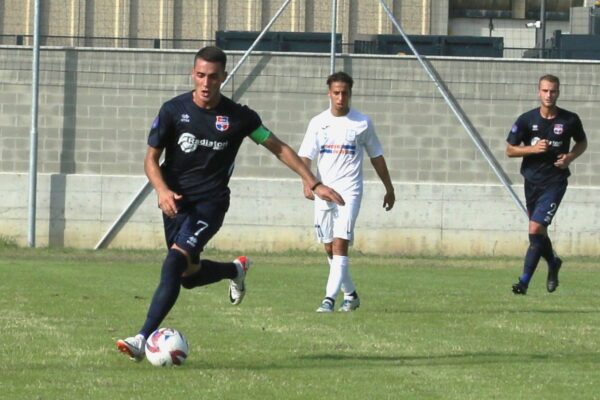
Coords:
336,222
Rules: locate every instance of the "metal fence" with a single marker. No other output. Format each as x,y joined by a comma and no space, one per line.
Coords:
191,24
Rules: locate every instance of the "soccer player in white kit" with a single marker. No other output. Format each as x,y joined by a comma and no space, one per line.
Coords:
338,137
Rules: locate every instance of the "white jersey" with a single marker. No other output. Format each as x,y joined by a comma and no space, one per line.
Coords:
339,143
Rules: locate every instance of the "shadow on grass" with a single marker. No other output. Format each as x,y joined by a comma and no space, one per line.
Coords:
467,358
357,361
490,311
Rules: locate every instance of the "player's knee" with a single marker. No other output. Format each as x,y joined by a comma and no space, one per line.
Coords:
340,246
187,278
180,250
535,228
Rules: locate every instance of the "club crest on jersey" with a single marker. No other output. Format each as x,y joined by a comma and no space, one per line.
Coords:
185,118
558,129
222,123
350,135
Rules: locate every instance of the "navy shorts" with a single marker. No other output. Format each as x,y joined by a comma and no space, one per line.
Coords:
194,225
543,200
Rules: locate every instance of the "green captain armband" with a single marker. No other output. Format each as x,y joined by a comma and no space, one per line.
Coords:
260,134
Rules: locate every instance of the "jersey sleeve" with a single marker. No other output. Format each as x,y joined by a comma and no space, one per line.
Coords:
260,134
578,132
517,132
309,147
161,128
372,143
253,125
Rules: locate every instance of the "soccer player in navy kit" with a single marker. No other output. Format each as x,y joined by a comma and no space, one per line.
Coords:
542,137
201,132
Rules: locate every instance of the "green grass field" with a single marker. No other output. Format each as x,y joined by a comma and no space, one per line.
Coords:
428,328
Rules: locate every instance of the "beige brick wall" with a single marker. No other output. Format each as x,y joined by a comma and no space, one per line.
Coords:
198,20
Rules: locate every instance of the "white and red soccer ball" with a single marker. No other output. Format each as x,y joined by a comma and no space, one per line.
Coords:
166,347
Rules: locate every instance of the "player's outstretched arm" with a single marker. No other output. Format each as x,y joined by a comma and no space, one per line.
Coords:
288,156
166,197
305,188
383,173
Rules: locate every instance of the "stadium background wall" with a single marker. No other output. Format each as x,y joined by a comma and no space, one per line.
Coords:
96,106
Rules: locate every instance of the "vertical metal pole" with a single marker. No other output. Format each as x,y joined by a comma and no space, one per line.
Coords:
333,34
147,188
251,48
543,29
459,113
34,122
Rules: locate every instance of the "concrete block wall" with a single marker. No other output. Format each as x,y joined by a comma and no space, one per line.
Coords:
76,210
96,107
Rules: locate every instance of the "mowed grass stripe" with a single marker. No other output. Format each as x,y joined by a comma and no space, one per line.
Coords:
427,328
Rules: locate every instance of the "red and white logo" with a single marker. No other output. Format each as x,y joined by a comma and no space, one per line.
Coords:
222,123
558,129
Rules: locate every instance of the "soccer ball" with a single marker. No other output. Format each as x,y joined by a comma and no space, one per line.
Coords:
166,347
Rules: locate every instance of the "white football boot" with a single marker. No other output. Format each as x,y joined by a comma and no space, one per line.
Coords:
134,347
325,307
350,305
237,286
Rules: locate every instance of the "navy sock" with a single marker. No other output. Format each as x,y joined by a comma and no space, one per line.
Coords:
548,252
210,272
532,257
167,291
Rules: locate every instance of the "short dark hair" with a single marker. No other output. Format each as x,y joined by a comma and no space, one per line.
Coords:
549,78
340,77
212,54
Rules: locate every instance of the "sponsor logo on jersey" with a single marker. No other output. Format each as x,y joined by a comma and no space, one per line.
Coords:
555,143
222,123
558,129
190,143
185,118
187,142
338,149
552,143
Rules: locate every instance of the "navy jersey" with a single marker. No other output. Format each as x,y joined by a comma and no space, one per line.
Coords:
200,145
532,127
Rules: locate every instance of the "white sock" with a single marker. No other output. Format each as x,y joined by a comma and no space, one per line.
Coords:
346,279
337,269
347,282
